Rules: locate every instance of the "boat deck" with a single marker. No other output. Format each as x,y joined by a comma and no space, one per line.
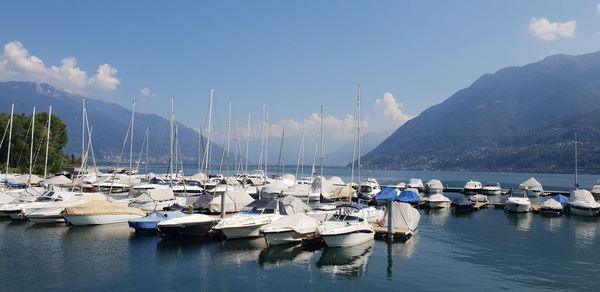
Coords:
397,232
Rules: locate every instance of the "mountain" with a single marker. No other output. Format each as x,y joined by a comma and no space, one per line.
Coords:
110,122
517,119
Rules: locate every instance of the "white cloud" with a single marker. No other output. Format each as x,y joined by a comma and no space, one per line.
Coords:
17,64
334,128
146,92
544,29
598,8
392,109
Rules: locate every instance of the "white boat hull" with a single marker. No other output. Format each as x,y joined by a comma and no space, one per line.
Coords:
439,205
100,219
242,232
492,192
46,219
348,239
517,208
286,237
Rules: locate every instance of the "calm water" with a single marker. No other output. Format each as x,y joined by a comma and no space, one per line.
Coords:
484,250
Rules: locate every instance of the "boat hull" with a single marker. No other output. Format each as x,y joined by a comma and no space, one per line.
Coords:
438,205
186,230
242,232
583,211
434,190
517,208
280,238
348,239
492,192
49,219
549,212
100,219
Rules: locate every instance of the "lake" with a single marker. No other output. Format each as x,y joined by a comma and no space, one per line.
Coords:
488,250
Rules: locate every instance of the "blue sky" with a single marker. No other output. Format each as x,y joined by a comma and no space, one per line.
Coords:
293,55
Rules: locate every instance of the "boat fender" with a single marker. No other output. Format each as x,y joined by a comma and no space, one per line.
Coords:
190,209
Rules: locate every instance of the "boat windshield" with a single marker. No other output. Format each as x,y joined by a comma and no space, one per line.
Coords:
519,194
46,197
345,218
366,189
254,211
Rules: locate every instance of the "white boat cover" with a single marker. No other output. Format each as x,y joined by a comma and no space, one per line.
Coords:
59,180
582,195
299,222
6,199
272,190
345,192
531,184
438,198
315,185
155,195
199,176
235,200
435,183
336,180
297,191
403,216
24,178
231,181
101,208
294,205
551,204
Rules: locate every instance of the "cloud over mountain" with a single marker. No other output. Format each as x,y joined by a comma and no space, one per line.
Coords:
543,29
16,63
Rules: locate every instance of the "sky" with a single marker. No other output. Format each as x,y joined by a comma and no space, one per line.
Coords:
292,56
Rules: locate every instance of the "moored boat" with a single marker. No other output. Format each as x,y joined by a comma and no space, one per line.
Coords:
248,222
532,187
583,203
290,229
346,228
551,208
518,202
195,225
434,186
461,205
491,189
473,187
100,212
437,201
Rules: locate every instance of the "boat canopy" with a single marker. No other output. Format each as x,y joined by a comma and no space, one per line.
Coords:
386,194
294,205
438,198
59,180
403,216
408,196
235,200
462,201
582,195
299,222
518,193
552,204
564,201
336,180
272,190
435,183
531,184
155,195
101,208
24,178
345,192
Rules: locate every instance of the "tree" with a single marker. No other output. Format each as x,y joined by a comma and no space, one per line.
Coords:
21,139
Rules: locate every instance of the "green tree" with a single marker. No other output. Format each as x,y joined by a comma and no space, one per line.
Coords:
21,139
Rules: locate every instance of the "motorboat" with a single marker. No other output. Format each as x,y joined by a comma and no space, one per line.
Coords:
473,187
149,223
532,187
416,183
491,189
321,212
15,210
437,201
368,189
386,194
51,212
346,228
434,186
155,199
248,222
405,219
290,229
409,195
583,203
100,212
551,208
518,202
195,225
478,198
461,204
596,191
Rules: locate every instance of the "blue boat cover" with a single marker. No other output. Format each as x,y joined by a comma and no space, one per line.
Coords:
354,205
408,197
564,201
386,194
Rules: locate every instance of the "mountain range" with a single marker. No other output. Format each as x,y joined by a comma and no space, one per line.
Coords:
517,119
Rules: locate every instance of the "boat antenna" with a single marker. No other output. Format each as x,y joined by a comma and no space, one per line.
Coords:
47,145
576,181
12,111
321,134
31,150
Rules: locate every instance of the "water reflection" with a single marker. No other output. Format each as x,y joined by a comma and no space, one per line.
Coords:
438,216
239,251
521,220
347,261
282,255
586,230
553,224
98,232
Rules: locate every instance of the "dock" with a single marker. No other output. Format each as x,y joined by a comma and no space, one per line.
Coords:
381,232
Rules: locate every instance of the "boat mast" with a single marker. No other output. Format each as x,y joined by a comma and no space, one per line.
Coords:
83,128
576,181
31,149
321,134
281,161
12,111
301,152
358,132
131,138
226,145
266,144
147,146
210,105
247,142
47,144
171,138
262,140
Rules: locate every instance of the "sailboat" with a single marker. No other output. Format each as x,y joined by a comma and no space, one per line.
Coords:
582,201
